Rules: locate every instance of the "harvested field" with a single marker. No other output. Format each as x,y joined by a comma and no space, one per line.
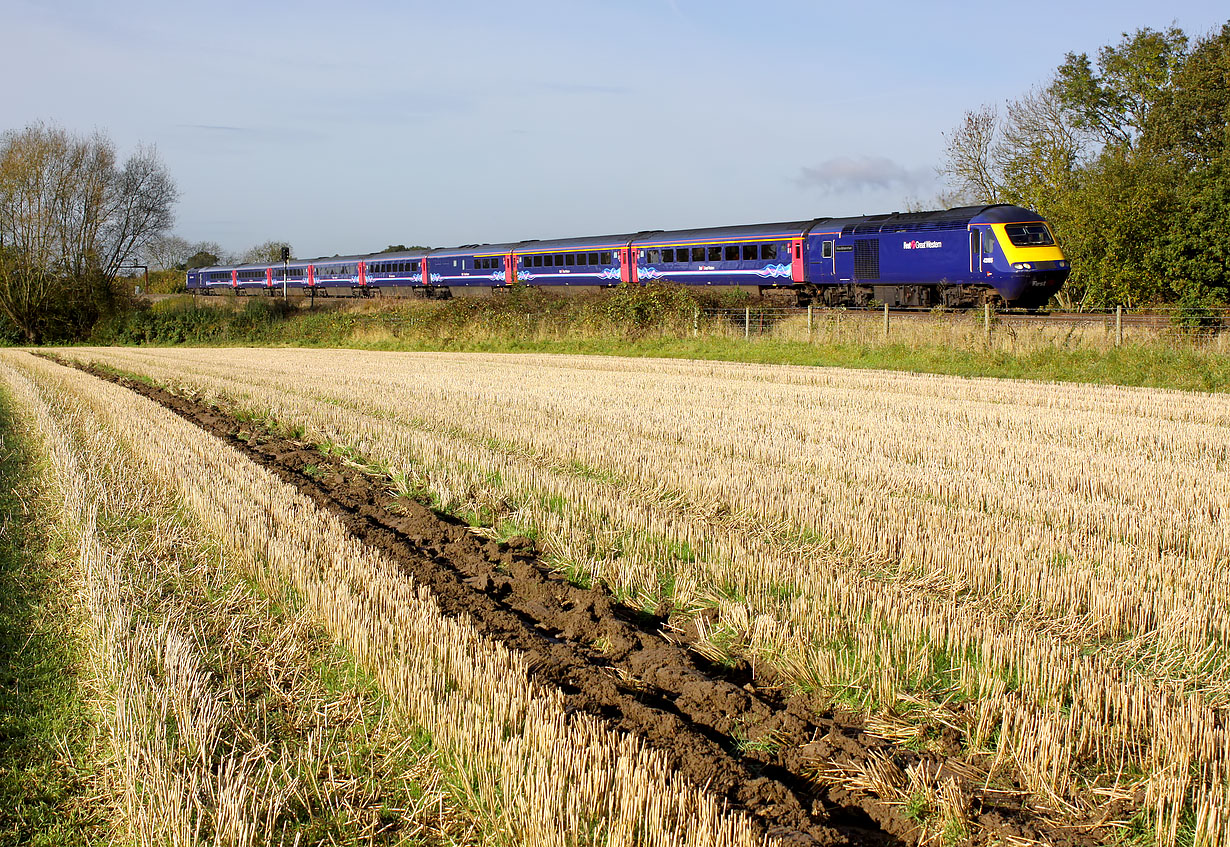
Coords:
852,607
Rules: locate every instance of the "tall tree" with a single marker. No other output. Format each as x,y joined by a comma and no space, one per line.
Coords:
70,218
1113,103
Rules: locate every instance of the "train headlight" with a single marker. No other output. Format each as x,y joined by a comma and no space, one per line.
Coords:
1017,266
1028,266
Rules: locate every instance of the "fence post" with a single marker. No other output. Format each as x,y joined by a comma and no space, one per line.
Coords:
886,320
986,320
1118,326
809,321
747,322
695,323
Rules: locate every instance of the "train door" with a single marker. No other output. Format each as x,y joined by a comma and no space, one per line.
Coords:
820,261
796,260
511,277
843,261
627,265
981,251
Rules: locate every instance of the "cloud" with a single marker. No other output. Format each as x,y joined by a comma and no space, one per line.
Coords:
865,173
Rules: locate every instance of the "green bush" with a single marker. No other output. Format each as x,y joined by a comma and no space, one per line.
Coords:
1198,312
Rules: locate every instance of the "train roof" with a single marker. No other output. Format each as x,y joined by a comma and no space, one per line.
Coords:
956,218
749,232
474,250
585,242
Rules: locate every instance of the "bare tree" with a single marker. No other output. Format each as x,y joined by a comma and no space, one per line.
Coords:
70,218
970,166
270,251
1038,151
1022,157
167,251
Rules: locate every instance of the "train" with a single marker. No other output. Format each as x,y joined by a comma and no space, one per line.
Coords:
955,258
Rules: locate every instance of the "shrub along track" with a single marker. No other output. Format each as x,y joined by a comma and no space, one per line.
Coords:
755,747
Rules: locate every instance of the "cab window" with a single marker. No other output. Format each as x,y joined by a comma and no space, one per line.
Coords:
1029,235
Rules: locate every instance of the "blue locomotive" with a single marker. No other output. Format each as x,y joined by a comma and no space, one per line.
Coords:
956,258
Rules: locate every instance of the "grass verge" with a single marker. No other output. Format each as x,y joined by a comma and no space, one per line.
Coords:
47,753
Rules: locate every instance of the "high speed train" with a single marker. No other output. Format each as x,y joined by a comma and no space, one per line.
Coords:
955,258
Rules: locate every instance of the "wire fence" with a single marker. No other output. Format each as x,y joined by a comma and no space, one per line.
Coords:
1106,327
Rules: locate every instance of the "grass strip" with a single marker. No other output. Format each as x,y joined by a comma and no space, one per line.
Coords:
47,752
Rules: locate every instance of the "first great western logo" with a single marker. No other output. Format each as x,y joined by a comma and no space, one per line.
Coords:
922,245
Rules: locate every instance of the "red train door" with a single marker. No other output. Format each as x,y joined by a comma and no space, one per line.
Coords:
627,265
510,269
234,278
269,277
362,274
796,259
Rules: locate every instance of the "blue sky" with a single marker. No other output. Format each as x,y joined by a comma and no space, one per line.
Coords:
346,126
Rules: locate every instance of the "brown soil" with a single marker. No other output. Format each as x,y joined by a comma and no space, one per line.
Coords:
628,668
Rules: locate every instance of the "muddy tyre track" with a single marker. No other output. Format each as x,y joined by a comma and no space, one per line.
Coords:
610,661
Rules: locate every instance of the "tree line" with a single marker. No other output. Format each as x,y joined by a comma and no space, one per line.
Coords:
1128,157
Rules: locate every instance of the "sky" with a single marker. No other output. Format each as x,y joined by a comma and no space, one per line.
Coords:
344,127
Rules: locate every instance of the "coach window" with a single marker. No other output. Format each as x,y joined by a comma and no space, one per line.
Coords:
570,259
768,251
668,255
606,258
750,253
655,257
826,250
732,252
698,254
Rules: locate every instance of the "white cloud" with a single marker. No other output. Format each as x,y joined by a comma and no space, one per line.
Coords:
865,173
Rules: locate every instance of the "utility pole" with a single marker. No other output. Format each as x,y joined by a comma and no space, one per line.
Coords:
285,269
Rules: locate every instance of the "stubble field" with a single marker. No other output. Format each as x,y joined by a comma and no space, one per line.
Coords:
698,603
